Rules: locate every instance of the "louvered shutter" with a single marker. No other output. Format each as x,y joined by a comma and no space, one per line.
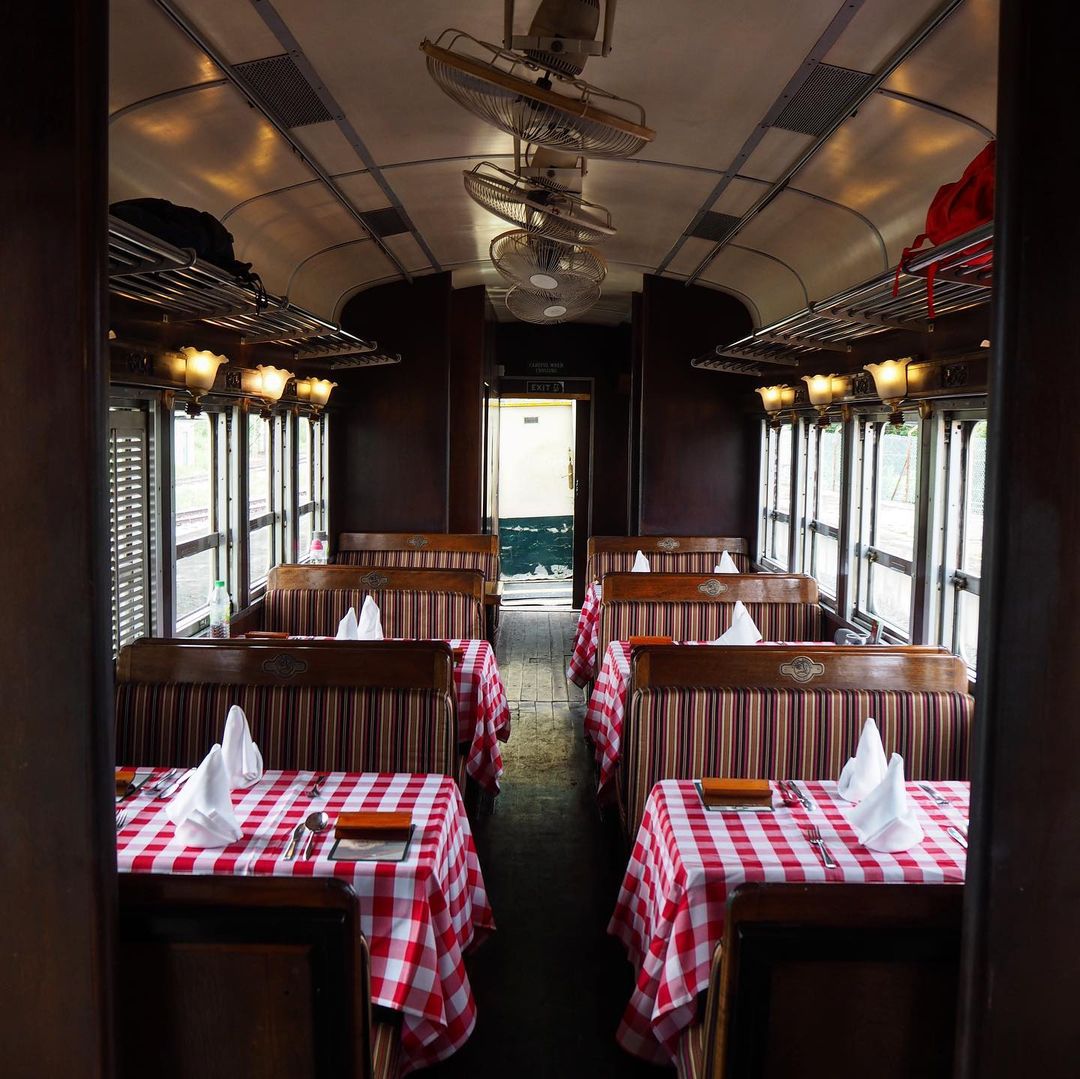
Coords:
129,496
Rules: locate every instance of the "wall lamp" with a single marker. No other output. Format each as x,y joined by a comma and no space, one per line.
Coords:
891,384
271,384
820,389
314,390
200,371
776,399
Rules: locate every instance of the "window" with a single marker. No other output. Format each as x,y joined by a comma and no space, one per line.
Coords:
822,488
776,505
130,521
890,475
199,527
965,483
264,505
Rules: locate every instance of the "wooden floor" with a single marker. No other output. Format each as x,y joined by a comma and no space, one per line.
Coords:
550,985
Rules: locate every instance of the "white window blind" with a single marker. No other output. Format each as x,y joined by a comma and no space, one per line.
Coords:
129,489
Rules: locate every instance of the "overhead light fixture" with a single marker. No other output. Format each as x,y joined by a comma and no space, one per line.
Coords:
776,399
200,372
314,390
272,382
820,389
891,384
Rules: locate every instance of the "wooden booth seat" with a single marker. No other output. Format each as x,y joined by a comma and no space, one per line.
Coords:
821,980
345,706
666,554
222,977
775,712
432,550
695,607
416,604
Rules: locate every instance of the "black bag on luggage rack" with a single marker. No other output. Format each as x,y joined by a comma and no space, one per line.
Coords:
184,226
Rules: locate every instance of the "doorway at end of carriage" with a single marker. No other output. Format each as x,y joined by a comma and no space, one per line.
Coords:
538,464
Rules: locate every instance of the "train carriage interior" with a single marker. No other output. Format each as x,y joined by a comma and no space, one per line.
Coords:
549,523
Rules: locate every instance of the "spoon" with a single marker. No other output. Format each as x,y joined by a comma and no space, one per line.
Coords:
290,850
315,823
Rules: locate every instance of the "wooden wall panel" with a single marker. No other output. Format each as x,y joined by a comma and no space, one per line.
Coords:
390,451
468,333
57,854
1021,977
696,474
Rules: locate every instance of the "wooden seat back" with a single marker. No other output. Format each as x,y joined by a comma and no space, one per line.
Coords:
825,979
430,550
691,606
895,667
355,706
221,977
666,554
289,577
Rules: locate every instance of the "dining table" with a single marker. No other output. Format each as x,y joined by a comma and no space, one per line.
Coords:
687,859
420,915
482,708
582,667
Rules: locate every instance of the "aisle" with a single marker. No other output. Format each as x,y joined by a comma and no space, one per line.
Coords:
550,985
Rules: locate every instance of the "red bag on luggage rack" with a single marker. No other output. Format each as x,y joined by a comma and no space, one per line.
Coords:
957,208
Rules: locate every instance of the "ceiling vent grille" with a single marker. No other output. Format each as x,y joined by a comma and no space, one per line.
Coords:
714,227
385,222
826,94
281,85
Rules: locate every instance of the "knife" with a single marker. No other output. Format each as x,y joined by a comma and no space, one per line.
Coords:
789,785
958,836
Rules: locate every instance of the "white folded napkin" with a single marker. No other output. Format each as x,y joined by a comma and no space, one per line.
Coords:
203,811
726,564
348,628
867,768
742,629
370,625
641,563
243,761
885,819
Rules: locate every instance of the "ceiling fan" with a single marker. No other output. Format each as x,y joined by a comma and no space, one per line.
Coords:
537,205
535,94
548,267
548,310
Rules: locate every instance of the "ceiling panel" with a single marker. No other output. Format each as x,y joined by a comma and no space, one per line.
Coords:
148,55
321,282
207,149
957,67
887,162
827,246
233,26
776,151
775,290
879,28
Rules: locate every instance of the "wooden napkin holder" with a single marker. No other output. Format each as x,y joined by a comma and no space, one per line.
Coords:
373,825
736,792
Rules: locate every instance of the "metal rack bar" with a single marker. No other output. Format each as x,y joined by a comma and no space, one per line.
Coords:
871,307
148,270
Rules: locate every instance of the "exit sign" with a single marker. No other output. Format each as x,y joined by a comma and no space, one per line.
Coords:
545,387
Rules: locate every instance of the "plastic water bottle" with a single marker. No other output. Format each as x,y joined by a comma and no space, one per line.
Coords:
317,552
220,610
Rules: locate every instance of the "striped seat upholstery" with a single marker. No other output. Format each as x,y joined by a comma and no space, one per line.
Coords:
329,728
422,616
486,563
619,621
603,562
754,733
385,1045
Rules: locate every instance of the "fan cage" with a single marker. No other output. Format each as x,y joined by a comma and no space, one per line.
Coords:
526,261
547,310
561,215
501,87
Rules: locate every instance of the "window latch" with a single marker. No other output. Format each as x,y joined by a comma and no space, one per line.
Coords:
959,582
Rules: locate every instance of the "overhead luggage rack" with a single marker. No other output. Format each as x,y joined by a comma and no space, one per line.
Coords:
962,273
148,270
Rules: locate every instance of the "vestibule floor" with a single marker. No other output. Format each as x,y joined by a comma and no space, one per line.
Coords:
550,984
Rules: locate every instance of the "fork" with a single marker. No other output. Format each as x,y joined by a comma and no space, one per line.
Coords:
121,820
813,837
934,796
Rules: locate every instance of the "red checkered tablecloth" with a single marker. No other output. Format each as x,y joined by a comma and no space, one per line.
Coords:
687,859
419,915
582,669
483,711
604,715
